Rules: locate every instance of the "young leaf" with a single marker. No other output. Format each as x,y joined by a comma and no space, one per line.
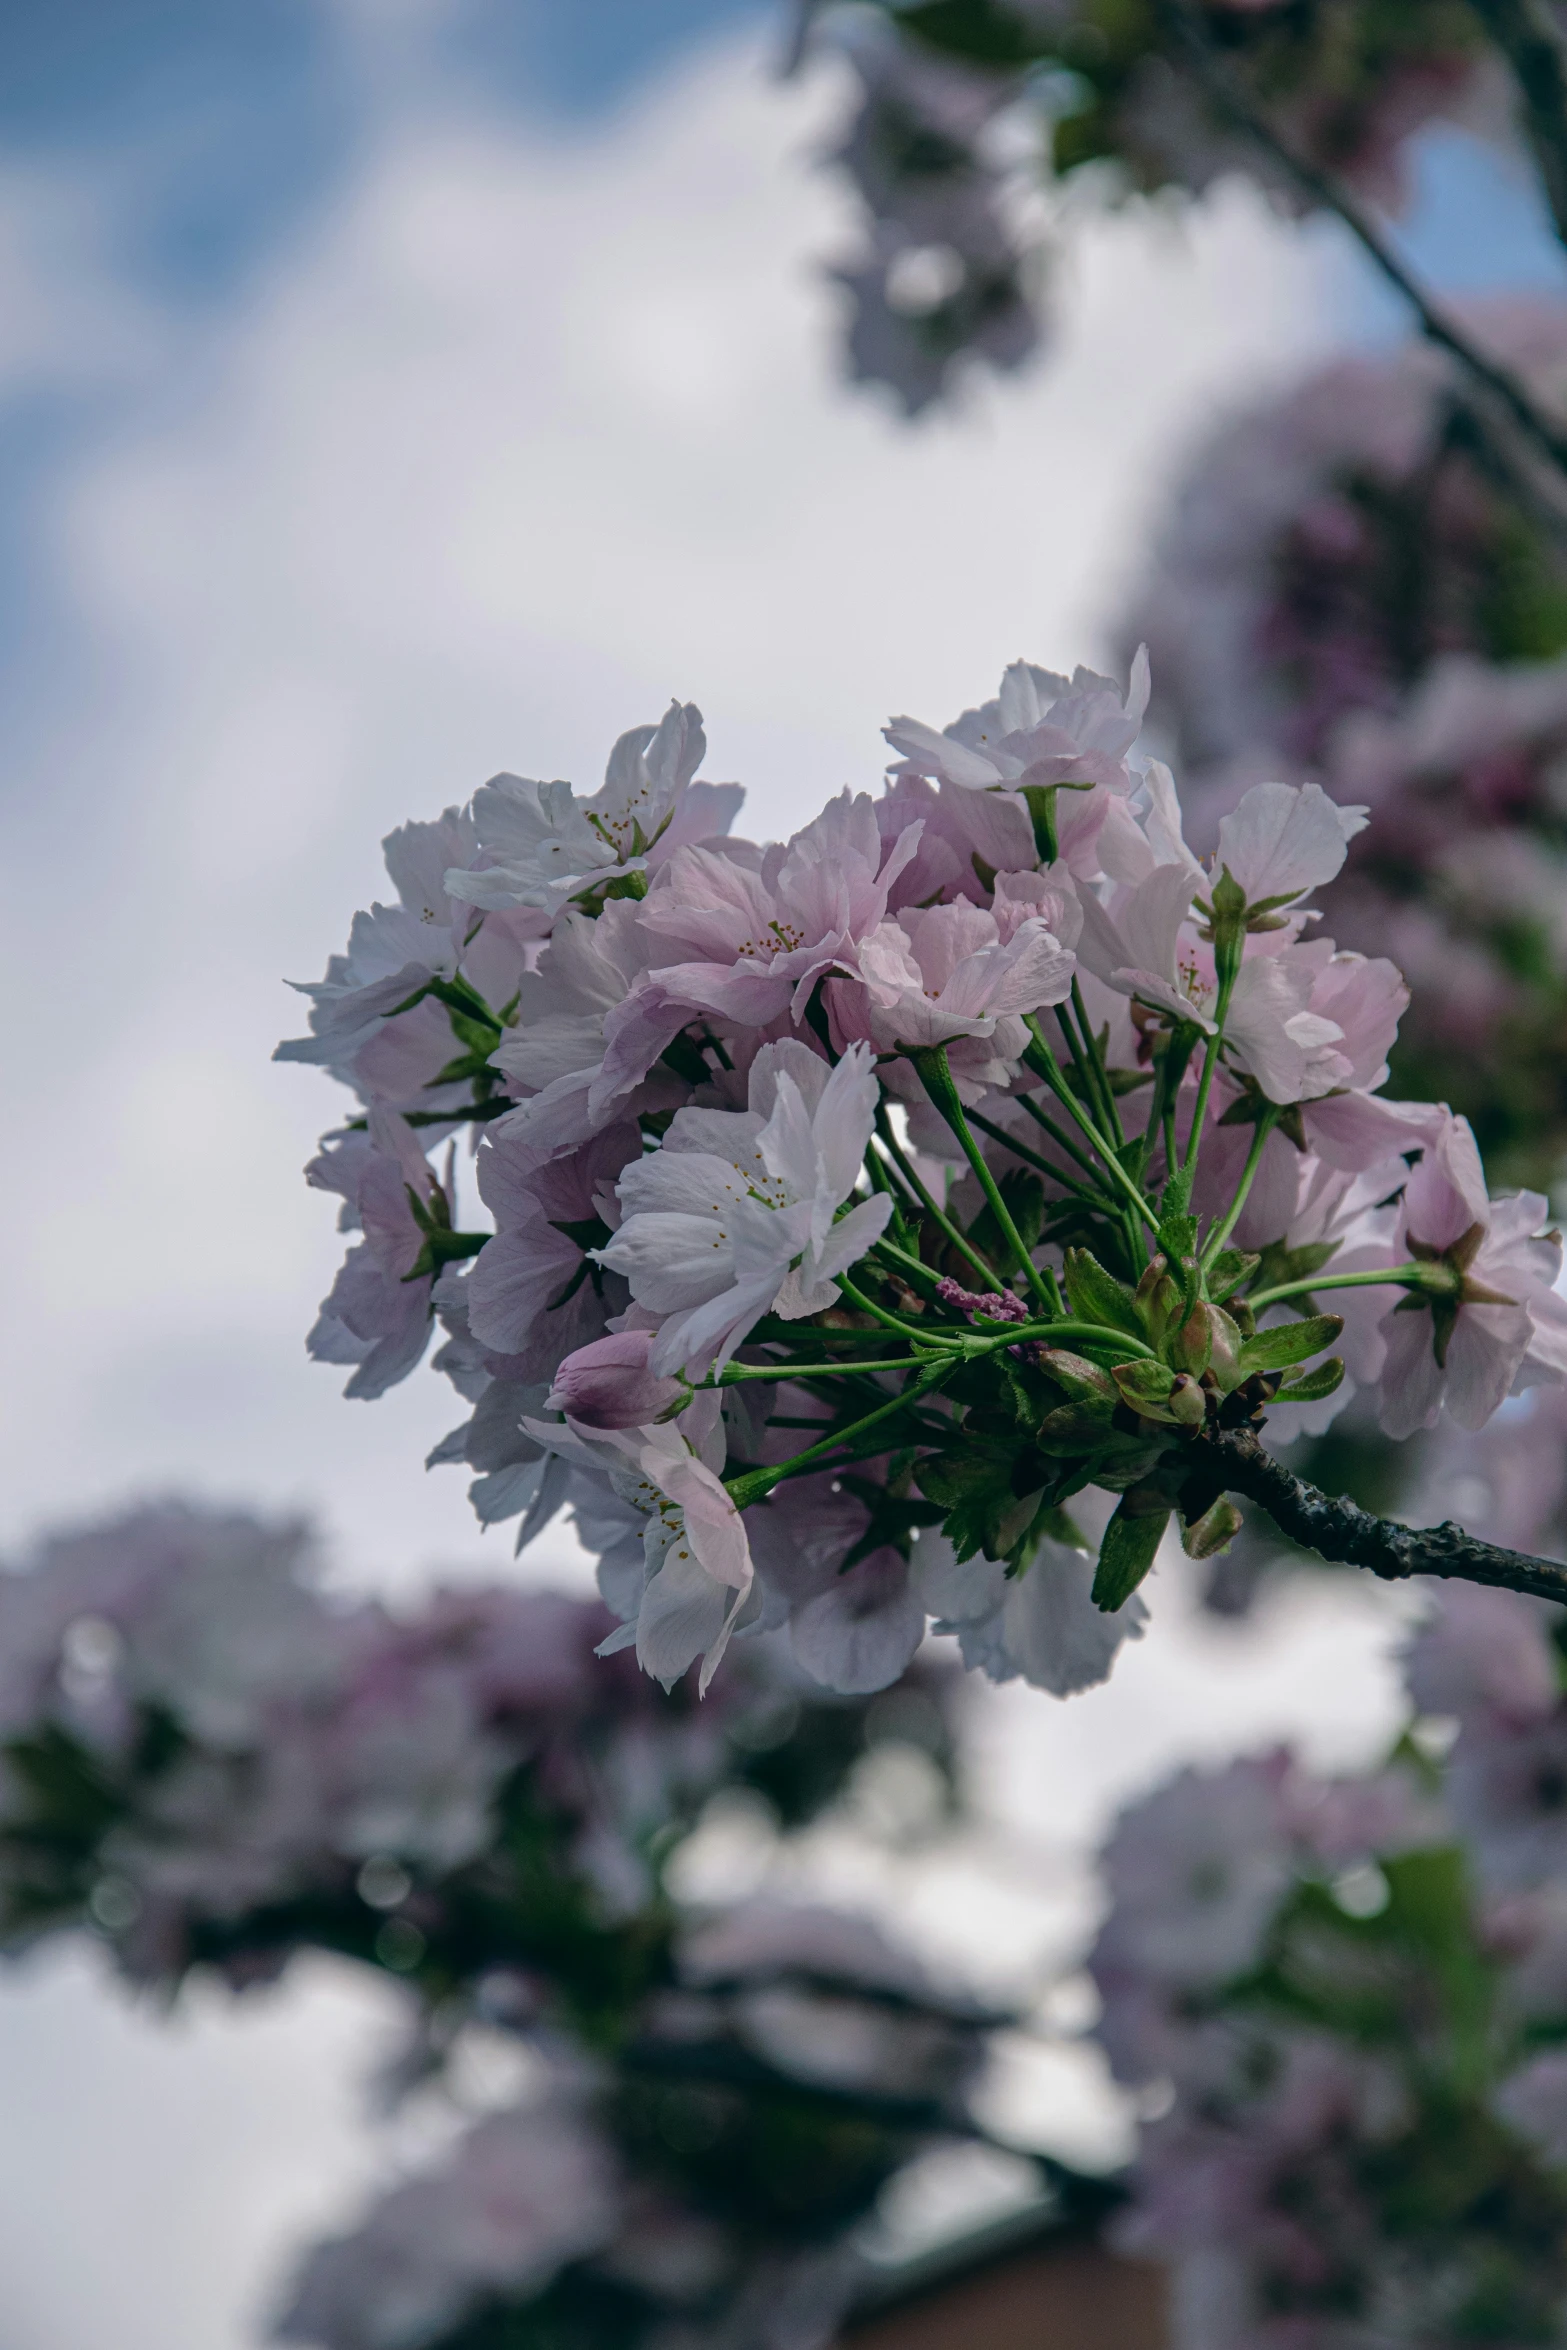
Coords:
1143,1385
1191,1347
1083,1381
1096,1296
1159,1394
1126,1553
1229,1269
1275,1348
1322,1379
1214,1531
1073,1428
1178,1238
1280,1264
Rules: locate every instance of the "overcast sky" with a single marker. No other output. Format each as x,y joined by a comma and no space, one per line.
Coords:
388,394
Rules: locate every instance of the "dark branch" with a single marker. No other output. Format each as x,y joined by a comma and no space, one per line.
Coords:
1526,35
1346,1534
1499,389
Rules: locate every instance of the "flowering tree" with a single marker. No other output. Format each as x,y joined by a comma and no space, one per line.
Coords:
978,1135
968,110
1353,1995
210,1766
1346,589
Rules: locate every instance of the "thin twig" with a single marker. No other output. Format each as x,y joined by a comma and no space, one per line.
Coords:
1230,95
1341,1531
1528,38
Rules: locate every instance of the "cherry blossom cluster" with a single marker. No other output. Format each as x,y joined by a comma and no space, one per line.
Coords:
1350,1996
964,108
207,1763
1347,591
860,1200
230,1760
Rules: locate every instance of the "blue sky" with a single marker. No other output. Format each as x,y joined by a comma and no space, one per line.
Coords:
234,115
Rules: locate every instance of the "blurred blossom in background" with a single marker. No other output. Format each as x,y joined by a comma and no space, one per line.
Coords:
391,394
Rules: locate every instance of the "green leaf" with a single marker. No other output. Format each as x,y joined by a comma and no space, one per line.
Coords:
1323,1379
974,1481
1280,1264
1214,1531
1058,1526
1096,1296
1083,1381
1177,1238
983,31
1191,1347
1276,1348
1158,1393
1229,1269
1074,1428
1024,1196
1127,1552
1143,1385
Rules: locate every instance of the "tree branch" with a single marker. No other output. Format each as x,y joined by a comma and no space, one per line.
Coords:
1342,1532
1528,39
1227,92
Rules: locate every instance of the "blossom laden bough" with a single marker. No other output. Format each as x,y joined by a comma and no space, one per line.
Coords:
862,1201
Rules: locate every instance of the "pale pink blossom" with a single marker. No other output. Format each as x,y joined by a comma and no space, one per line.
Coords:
956,975
519,2196
697,1562
750,942
554,1056
1041,1626
542,846
534,1294
738,1212
1282,842
851,1627
608,1383
1145,948
1504,1326
1533,2101
376,1315
1483,1655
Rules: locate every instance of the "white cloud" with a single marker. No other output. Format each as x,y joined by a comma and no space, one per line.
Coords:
521,439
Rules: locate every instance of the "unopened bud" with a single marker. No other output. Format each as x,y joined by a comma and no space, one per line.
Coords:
608,1384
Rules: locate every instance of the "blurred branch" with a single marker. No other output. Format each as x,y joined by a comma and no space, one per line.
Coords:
1498,389
1347,1535
1528,38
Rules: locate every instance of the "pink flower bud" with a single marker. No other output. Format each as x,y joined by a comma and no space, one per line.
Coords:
608,1384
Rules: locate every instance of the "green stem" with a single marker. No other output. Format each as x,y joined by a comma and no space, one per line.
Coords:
734,1373
756,1484
1020,1150
1395,1276
1074,1047
1178,1191
1058,1135
1068,1333
1107,1102
878,1313
907,1267
936,1077
880,1179
1221,1231
1043,1061
943,1223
